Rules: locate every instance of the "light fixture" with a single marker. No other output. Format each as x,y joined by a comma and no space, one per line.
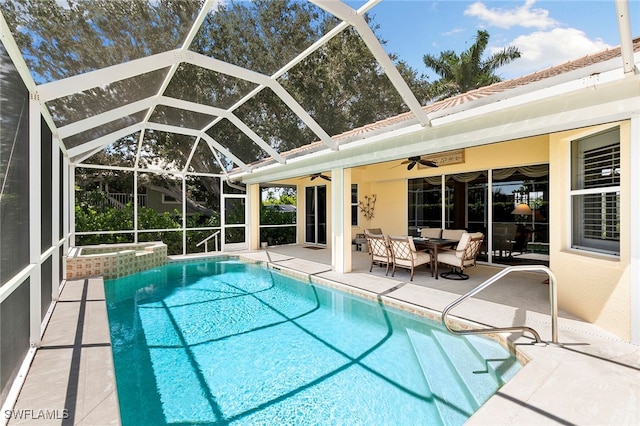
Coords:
522,209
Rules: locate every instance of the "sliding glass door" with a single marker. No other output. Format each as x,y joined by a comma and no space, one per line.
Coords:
316,215
520,230
512,211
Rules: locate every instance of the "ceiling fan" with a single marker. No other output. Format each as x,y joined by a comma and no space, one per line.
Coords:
319,175
412,161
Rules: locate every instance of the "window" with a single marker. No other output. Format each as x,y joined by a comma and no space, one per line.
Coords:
168,199
354,205
595,192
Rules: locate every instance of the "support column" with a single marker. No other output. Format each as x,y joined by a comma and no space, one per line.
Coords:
35,216
223,232
135,206
55,218
71,207
340,220
66,209
634,278
253,206
184,214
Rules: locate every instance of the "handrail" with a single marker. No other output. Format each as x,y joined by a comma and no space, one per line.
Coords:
206,248
552,296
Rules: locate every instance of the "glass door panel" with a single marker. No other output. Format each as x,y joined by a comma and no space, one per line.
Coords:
310,214
425,204
520,230
467,204
322,215
316,215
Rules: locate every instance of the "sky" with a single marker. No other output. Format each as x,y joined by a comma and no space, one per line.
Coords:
546,32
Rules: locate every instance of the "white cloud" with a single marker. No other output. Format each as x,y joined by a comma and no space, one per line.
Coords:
523,16
454,31
543,49
548,45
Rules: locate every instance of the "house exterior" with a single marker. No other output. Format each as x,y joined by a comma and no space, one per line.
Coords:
539,119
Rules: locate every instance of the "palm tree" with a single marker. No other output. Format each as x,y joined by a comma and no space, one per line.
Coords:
459,74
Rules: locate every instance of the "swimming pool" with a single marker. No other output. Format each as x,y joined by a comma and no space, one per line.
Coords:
227,342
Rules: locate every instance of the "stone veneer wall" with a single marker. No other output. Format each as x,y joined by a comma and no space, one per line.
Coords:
114,260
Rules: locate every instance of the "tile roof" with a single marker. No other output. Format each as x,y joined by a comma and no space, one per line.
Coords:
464,98
500,87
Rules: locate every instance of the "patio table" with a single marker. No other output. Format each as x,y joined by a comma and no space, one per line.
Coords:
433,245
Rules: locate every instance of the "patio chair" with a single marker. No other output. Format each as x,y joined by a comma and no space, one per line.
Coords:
453,234
431,232
463,256
373,231
405,254
379,251
510,238
522,238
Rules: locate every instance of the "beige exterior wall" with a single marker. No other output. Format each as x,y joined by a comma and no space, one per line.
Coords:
594,287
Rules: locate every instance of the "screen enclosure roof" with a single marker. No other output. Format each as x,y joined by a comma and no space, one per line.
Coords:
230,89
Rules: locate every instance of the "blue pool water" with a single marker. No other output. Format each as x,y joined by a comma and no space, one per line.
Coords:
225,342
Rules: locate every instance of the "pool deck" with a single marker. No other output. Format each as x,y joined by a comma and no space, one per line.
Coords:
72,379
590,378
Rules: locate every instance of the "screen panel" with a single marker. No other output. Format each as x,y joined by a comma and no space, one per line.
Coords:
14,335
46,182
46,286
14,168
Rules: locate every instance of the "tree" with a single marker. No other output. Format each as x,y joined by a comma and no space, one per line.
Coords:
340,85
460,74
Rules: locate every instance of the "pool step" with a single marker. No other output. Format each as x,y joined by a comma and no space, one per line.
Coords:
461,372
453,401
473,368
503,367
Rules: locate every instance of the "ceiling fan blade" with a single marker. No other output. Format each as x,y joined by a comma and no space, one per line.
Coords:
411,165
406,162
428,163
325,177
314,176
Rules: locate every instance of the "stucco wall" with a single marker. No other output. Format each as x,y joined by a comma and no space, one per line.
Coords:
594,287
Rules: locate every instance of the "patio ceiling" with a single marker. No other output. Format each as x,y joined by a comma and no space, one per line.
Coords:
151,90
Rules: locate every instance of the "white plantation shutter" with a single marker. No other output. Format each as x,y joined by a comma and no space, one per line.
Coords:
596,192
